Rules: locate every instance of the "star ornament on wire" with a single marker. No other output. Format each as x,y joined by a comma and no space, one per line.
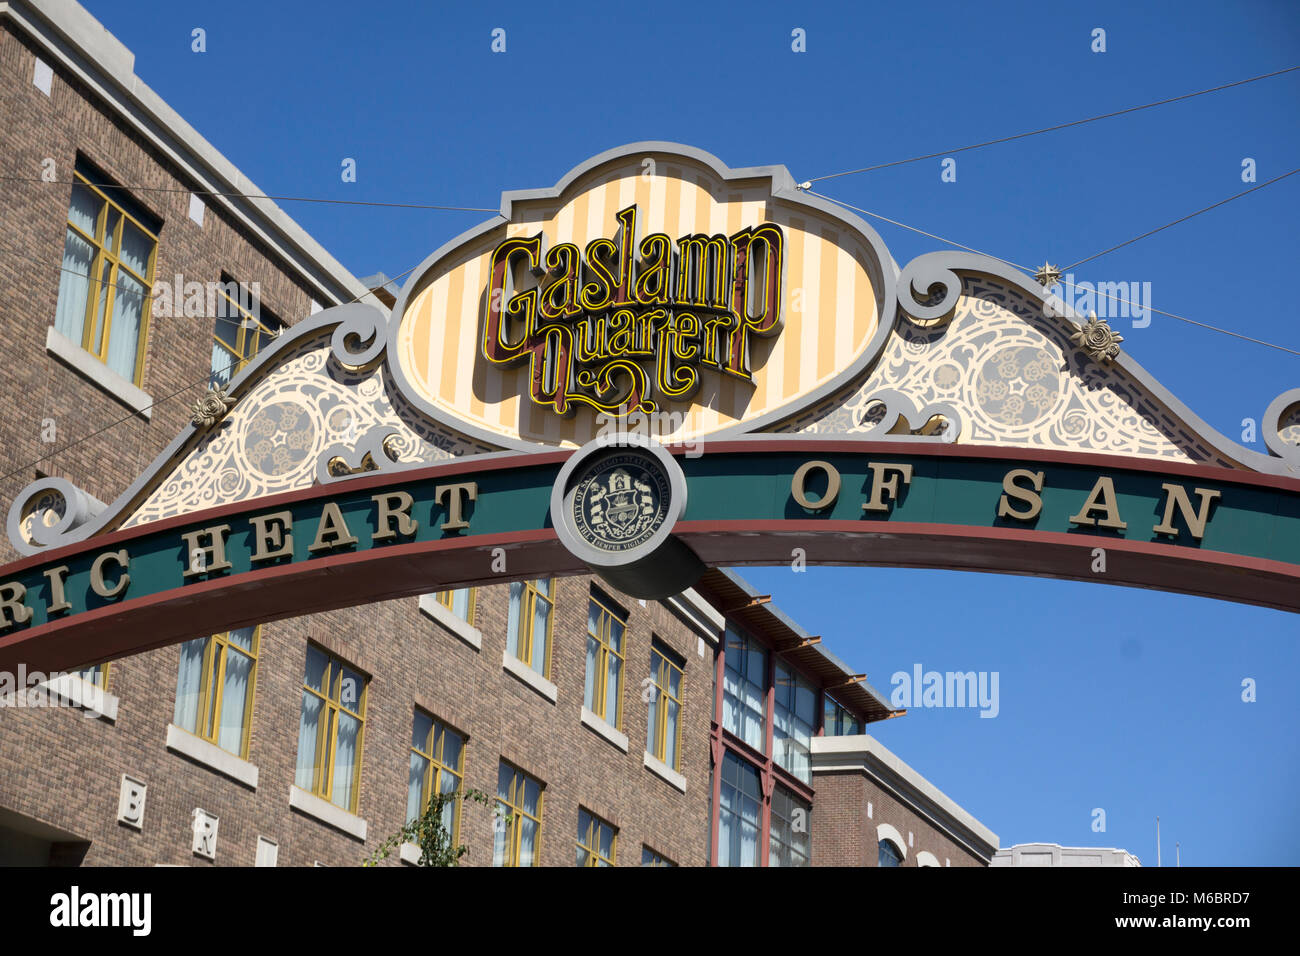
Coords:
1048,275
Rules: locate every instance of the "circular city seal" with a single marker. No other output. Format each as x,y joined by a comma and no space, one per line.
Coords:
615,503
620,501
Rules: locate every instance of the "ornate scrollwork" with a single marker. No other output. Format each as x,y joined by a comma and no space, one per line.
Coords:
360,338
917,296
374,451
50,512
901,418
1282,427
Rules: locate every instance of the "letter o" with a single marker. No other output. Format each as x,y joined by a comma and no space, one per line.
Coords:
801,478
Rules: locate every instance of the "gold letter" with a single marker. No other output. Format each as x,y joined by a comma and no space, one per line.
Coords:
13,604
1104,490
213,557
801,478
333,525
880,487
1009,487
58,602
97,582
459,492
277,536
406,525
1177,495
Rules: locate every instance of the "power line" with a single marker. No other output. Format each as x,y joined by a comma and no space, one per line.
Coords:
1221,202
205,192
1115,298
166,398
1052,129
928,235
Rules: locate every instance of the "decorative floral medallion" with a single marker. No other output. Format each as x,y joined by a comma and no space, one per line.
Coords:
211,408
1097,339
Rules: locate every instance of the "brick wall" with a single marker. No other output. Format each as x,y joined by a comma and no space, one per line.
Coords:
843,834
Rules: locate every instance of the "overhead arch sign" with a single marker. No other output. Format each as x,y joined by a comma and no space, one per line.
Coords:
658,365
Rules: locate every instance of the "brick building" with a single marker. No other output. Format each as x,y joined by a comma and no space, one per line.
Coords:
706,728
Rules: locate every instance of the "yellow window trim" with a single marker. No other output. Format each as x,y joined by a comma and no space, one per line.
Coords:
327,729
245,349
514,805
590,841
528,615
604,627
98,345
445,598
660,670
207,722
432,782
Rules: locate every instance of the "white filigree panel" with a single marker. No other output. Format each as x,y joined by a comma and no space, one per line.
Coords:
273,438
1013,378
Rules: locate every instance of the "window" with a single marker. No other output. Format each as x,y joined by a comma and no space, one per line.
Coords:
663,728
738,816
460,602
97,675
437,766
243,328
744,704
330,730
603,692
788,842
106,283
651,858
796,710
214,688
839,722
596,840
519,826
528,630
888,855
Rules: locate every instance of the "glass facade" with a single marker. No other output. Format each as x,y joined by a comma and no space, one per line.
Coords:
793,723
744,694
789,842
739,813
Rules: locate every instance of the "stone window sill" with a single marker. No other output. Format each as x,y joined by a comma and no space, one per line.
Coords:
536,681
662,770
410,853
211,756
605,729
326,812
467,632
79,360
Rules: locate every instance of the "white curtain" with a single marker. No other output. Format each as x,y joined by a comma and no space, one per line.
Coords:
512,622
188,681
415,786
345,757
308,729
124,333
234,699
589,685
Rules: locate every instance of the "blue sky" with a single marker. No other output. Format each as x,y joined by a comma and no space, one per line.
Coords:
1121,699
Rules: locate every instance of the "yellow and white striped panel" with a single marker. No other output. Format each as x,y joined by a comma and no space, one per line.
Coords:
828,311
